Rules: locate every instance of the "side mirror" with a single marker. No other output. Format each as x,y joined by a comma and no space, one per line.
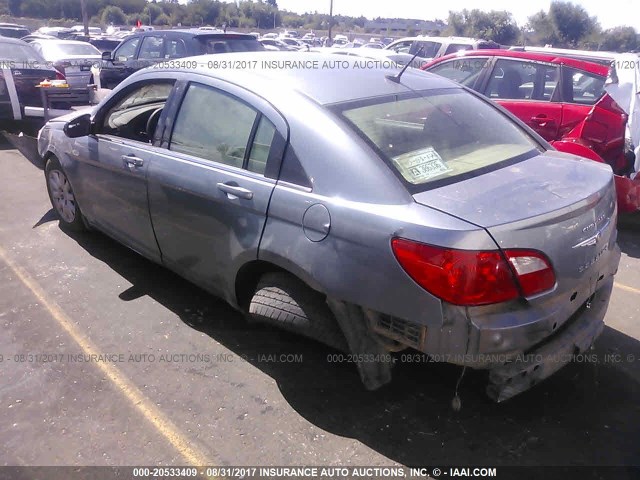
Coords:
106,56
78,127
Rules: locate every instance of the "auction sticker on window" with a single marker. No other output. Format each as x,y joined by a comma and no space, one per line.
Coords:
421,165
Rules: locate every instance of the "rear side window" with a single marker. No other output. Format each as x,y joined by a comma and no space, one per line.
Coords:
426,49
465,70
218,133
224,45
582,88
522,80
440,135
457,47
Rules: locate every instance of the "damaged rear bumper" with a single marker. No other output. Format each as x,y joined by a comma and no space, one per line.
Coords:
576,336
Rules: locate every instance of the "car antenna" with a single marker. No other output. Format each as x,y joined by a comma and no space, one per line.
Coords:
396,78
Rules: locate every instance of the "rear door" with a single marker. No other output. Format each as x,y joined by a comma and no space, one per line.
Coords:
530,91
209,192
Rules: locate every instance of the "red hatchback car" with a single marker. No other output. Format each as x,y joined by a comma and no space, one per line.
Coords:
563,99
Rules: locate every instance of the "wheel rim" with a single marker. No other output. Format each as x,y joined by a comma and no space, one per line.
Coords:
62,195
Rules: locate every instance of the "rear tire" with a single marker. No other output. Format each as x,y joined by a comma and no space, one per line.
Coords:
62,197
284,301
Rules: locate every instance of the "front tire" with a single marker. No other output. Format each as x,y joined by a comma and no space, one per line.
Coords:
282,300
62,197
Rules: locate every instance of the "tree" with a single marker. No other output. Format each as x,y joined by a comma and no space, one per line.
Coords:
14,7
565,25
572,22
620,39
113,15
498,26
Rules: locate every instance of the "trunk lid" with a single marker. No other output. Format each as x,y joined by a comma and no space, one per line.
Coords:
559,204
26,80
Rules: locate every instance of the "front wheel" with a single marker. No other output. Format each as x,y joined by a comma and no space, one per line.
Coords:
62,197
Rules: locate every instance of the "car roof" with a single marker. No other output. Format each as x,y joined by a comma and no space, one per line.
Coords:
63,42
591,67
198,33
335,81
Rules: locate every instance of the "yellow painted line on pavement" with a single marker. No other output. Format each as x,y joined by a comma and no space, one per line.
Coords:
157,418
626,287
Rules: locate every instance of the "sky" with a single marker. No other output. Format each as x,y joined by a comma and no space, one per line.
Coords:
610,13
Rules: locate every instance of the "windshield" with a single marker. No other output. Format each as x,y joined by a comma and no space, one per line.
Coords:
19,53
439,135
59,50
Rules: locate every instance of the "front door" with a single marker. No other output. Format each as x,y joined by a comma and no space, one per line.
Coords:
113,163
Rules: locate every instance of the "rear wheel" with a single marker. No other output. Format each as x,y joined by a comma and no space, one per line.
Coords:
62,197
283,300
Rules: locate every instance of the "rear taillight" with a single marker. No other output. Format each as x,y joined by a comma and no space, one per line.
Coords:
469,277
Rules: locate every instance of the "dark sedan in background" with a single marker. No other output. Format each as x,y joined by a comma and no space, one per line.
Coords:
22,68
147,48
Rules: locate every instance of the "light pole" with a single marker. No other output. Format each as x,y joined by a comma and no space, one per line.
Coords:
330,19
85,17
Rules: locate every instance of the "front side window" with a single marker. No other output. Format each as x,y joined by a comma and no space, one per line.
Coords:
464,70
213,126
439,135
135,115
522,80
127,50
402,47
151,48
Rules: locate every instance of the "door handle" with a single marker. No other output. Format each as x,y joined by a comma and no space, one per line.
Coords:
236,191
132,161
543,120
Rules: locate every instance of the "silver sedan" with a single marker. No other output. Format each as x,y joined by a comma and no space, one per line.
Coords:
70,57
370,210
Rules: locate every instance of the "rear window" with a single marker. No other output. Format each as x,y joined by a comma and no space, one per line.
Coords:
441,135
13,32
19,53
224,45
74,49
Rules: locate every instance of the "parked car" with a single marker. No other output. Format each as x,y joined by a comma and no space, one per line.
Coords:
428,48
367,211
23,69
561,98
93,31
59,32
277,44
13,30
144,49
70,57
